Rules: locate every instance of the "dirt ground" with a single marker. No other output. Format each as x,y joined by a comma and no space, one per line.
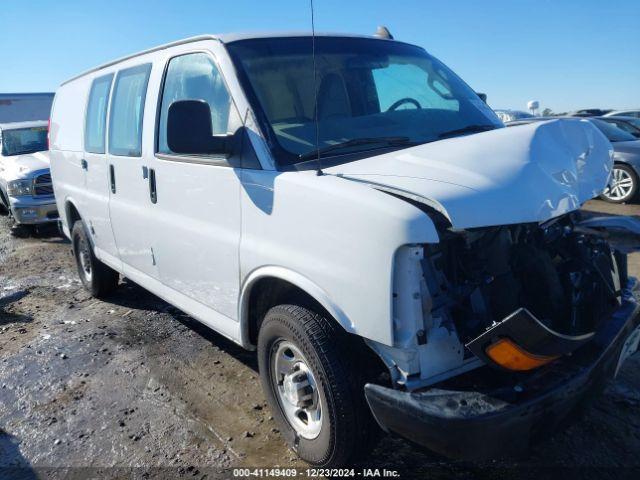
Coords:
134,387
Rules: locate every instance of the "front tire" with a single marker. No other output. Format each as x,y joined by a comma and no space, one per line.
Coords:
99,279
623,186
314,386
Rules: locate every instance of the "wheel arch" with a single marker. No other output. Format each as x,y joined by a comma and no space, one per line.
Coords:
635,166
269,286
71,213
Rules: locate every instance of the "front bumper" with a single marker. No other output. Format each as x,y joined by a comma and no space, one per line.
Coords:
34,210
479,422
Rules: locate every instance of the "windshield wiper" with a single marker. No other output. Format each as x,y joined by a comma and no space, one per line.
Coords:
467,129
354,142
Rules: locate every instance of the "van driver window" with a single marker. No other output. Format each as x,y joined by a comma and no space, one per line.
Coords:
194,77
125,119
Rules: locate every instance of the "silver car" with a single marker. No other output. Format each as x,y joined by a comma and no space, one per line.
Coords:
26,191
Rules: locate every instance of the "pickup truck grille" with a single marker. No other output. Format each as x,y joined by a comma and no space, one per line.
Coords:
42,185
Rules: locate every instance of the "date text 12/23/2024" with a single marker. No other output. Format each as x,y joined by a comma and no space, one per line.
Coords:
315,472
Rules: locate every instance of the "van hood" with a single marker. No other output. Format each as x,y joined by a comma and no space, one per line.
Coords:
22,166
528,173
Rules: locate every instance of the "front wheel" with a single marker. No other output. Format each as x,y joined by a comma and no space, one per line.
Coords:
99,279
623,185
313,388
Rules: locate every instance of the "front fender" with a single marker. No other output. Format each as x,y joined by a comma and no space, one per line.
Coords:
294,278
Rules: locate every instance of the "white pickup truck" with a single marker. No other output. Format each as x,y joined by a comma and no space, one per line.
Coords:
351,209
26,191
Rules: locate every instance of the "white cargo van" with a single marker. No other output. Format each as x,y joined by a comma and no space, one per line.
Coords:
355,212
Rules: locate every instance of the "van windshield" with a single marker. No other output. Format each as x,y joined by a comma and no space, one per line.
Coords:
20,141
371,94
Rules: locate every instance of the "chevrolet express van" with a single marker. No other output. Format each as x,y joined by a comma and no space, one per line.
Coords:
351,209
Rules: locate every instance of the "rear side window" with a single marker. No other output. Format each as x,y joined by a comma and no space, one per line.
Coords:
194,77
127,109
96,118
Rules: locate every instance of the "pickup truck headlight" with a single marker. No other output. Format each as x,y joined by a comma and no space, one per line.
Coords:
17,188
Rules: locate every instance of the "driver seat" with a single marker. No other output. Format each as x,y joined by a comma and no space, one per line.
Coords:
333,97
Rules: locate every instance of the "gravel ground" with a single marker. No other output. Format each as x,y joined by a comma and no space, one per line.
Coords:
134,387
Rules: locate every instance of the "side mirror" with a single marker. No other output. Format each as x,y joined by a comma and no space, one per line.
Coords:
189,130
483,96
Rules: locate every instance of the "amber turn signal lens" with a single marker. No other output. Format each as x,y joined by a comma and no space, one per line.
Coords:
510,356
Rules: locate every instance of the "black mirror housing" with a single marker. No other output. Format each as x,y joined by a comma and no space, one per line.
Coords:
189,130
483,96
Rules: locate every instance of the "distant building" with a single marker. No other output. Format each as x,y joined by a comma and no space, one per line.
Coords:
23,107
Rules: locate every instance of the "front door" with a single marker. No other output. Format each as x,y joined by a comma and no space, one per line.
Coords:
197,217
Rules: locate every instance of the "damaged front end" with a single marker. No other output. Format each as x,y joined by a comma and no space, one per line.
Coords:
519,324
546,288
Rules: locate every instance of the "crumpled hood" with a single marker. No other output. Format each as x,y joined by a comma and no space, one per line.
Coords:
22,166
528,173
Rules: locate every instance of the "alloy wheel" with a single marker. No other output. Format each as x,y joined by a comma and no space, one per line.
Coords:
621,185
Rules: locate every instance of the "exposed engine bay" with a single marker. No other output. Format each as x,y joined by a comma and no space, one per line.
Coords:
519,321
564,274
513,297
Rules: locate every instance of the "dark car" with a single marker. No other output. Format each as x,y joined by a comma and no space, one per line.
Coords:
624,113
626,169
628,124
589,112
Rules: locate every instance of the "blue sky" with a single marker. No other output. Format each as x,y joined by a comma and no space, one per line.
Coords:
567,54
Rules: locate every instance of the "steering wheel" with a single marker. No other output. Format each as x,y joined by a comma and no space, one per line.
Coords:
402,101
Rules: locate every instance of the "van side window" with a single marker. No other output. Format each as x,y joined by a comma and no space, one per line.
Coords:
125,119
96,118
194,77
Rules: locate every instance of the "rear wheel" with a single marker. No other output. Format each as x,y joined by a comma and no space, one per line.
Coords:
99,279
4,204
623,185
314,386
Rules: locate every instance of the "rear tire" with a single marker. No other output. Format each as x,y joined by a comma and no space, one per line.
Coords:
322,375
623,186
4,204
99,279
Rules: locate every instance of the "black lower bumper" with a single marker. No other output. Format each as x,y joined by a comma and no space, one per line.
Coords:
504,418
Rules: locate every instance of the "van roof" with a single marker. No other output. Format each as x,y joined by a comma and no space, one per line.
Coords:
223,38
14,125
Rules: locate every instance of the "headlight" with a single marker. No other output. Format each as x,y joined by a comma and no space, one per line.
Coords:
17,188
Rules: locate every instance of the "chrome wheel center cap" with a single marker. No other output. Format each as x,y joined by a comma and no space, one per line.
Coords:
297,390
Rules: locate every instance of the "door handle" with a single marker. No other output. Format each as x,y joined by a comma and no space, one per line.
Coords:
112,178
84,164
153,194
